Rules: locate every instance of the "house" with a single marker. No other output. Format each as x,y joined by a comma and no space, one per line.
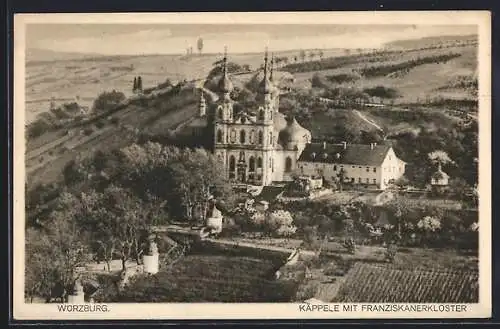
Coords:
373,165
439,178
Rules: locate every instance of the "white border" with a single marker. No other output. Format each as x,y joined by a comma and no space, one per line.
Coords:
23,311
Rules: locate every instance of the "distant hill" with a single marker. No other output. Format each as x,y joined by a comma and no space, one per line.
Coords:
34,55
431,41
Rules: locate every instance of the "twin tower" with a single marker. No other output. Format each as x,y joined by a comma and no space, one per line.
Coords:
256,145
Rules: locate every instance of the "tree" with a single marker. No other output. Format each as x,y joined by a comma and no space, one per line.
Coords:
303,55
320,54
54,252
116,220
108,101
280,222
439,157
200,45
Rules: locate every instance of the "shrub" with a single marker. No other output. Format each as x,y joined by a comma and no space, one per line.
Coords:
88,131
100,124
108,101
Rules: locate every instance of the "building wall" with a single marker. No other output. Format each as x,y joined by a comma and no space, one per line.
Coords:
392,168
281,172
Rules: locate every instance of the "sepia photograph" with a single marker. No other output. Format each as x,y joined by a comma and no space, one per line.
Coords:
326,160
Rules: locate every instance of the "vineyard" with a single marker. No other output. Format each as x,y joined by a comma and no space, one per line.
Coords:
383,284
202,278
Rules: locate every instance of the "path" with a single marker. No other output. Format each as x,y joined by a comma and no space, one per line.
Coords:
364,118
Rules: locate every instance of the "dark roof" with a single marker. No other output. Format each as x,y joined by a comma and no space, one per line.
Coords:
355,154
388,284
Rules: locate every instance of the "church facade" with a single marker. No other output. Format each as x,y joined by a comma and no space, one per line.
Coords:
259,146
255,146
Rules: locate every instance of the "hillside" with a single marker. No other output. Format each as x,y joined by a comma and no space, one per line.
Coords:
165,111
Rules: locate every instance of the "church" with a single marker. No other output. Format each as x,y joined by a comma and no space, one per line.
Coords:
259,146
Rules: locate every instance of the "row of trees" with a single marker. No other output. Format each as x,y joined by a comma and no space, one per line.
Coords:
381,70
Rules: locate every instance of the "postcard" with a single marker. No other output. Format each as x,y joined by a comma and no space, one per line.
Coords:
273,165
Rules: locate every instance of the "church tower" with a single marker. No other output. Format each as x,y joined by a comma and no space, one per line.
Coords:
223,116
203,104
265,123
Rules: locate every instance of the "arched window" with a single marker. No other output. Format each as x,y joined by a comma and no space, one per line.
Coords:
251,164
259,162
243,136
219,113
261,137
261,114
252,136
233,135
288,164
271,138
219,136
232,163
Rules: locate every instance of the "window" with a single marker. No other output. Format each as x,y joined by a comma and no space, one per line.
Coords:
353,167
270,138
288,164
359,167
259,162
367,181
233,136
374,169
232,163
374,181
261,137
261,114
219,136
367,169
251,164
252,137
359,180
243,137
219,113
335,168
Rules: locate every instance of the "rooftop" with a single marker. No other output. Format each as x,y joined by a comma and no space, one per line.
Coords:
355,154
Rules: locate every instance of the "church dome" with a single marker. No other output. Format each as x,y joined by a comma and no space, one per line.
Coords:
265,86
293,135
225,85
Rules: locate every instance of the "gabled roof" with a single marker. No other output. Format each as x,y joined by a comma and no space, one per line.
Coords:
355,154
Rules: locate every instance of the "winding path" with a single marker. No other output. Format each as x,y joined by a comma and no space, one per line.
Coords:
364,118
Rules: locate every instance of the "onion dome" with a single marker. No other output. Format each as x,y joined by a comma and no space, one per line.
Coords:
225,85
293,135
265,85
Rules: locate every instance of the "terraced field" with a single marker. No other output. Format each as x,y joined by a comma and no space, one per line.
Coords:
383,284
206,278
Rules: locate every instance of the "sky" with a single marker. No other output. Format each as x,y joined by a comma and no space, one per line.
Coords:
137,39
